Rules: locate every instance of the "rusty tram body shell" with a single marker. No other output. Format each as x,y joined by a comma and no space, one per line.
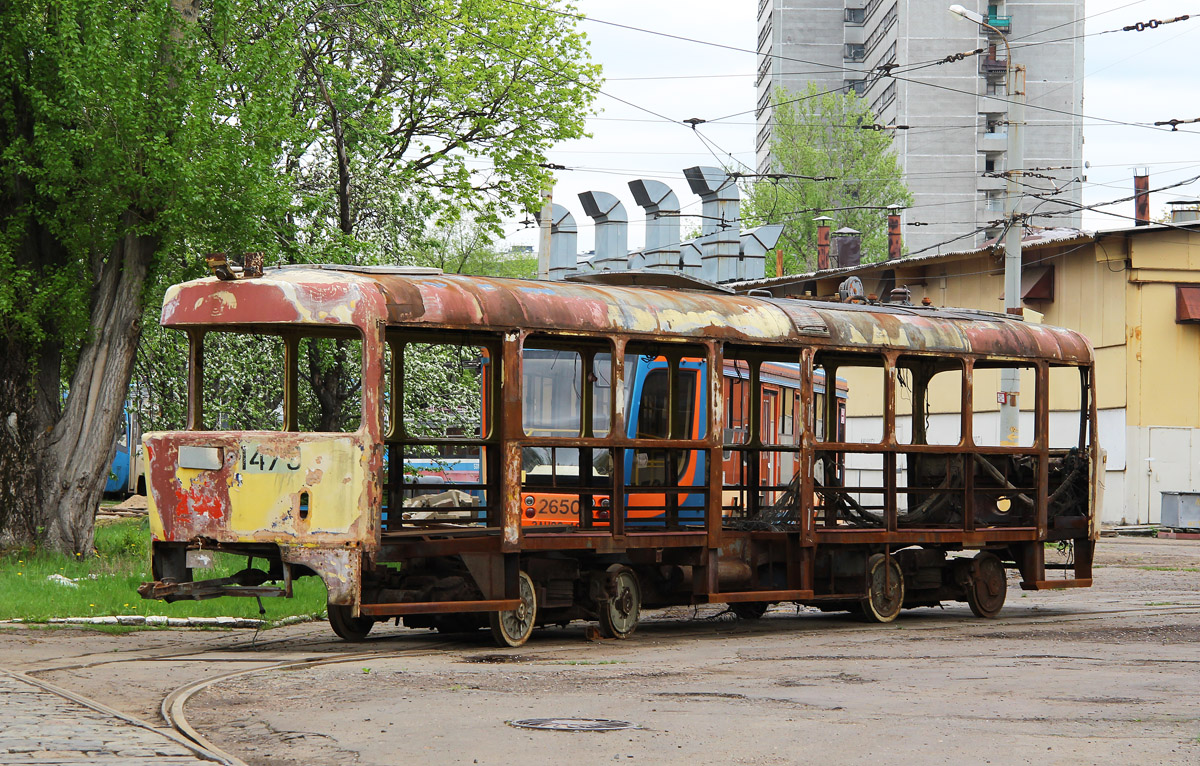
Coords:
331,505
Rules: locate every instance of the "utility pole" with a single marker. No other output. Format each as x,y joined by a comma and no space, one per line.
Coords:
1014,87
545,220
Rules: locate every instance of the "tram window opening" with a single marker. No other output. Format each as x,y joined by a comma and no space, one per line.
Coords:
737,401
829,416
554,385
1068,411
989,389
863,376
928,401
330,384
243,388
850,489
773,382
929,490
246,379
444,388
442,487
387,417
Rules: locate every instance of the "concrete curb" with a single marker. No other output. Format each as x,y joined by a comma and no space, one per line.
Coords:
158,621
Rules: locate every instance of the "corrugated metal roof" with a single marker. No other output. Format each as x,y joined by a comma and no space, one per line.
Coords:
1033,240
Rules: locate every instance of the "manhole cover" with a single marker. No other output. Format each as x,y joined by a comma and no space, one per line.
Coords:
573,724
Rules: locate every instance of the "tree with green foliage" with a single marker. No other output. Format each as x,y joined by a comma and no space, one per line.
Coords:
135,138
819,135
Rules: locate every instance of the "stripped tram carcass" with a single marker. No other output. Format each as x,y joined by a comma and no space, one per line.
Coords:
592,463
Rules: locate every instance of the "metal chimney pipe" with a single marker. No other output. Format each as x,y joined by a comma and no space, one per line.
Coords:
612,230
895,241
564,243
847,247
662,222
1141,196
823,242
755,244
721,228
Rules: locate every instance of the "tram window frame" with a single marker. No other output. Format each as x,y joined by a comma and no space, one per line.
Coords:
1065,428
1030,391
942,366
599,354
290,350
467,462
856,391
760,460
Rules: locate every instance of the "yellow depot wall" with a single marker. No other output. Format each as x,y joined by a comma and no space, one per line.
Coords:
1164,360
1163,357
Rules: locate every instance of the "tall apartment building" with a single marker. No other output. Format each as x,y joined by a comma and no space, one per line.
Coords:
957,113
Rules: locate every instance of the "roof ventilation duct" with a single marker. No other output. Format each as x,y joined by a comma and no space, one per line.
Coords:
721,229
612,230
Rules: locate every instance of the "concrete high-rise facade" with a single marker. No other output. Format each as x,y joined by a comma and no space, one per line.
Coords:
957,113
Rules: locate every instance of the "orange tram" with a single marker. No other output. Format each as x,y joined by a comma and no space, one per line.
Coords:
528,453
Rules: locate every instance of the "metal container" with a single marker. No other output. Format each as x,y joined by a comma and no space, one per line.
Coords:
1181,510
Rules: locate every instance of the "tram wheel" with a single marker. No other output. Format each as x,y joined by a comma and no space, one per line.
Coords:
619,615
749,610
348,627
885,589
513,627
987,586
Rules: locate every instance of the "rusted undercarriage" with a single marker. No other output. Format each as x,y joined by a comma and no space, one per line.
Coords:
694,512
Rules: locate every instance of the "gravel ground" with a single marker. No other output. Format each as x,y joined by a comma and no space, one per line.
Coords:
1109,674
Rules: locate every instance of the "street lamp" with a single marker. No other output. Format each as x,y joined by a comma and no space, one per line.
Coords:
1010,379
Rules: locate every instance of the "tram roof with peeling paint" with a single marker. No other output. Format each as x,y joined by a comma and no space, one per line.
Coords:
339,295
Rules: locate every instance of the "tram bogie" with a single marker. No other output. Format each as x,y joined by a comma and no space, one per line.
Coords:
587,452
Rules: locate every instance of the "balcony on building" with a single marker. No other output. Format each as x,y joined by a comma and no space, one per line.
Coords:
994,139
993,62
1003,23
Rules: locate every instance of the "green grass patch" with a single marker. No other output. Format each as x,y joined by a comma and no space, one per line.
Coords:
107,583
1170,569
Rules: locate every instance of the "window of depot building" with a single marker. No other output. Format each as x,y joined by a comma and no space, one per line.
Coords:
665,392
558,386
928,400
247,377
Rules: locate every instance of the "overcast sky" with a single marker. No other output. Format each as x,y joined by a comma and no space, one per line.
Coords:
1137,77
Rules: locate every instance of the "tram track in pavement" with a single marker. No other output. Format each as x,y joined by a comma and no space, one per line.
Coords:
195,653
173,705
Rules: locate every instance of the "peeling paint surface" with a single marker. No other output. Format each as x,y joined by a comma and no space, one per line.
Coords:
271,487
